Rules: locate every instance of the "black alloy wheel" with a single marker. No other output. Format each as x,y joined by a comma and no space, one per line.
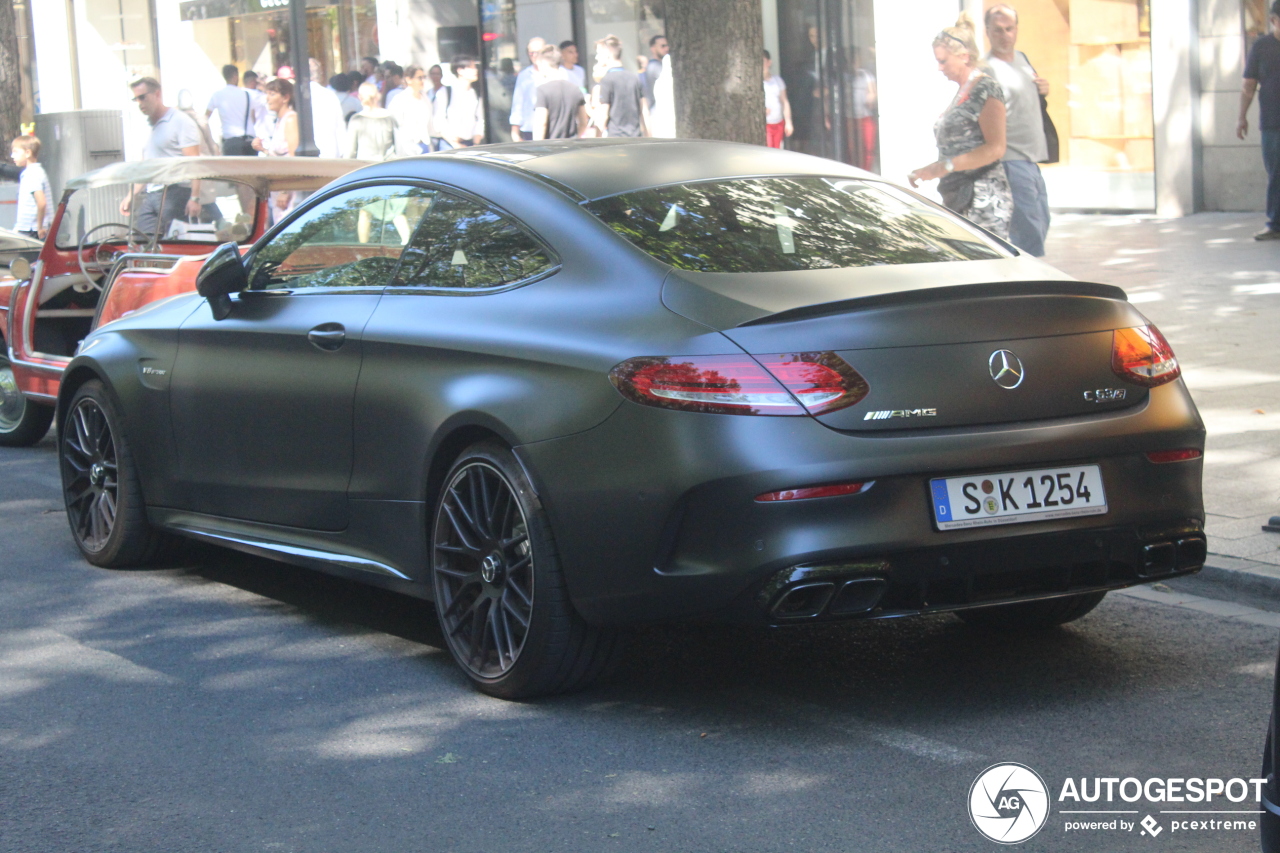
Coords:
100,485
484,570
499,592
22,423
93,489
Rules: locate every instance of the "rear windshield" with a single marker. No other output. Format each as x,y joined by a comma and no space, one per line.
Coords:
800,223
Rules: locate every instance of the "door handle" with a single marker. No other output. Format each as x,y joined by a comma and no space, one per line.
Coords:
328,336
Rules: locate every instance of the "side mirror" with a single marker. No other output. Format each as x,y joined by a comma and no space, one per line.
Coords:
222,275
20,268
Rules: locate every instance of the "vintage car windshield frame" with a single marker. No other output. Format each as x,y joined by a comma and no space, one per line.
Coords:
154,240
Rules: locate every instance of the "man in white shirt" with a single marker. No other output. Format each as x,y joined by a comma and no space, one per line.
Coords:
238,112
173,134
413,111
1025,143
326,116
569,64
525,91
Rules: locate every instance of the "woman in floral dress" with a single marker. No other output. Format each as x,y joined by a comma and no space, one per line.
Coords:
971,136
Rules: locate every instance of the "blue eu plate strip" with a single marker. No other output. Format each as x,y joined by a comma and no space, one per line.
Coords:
941,502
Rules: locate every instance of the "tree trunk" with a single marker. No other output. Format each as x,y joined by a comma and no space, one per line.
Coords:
717,53
10,75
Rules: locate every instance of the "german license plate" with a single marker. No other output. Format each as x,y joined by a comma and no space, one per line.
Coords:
982,500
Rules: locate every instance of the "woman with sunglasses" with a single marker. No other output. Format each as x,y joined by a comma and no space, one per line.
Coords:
970,135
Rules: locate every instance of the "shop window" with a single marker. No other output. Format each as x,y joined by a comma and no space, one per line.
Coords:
634,22
1096,55
828,61
1255,20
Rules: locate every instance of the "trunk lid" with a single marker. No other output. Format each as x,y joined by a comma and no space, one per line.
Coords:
956,355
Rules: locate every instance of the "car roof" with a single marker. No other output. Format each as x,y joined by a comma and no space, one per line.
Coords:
597,168
263,173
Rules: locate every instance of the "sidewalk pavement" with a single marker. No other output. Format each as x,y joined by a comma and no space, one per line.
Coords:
1215,294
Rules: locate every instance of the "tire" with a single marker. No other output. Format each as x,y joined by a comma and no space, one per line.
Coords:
22,422
100,486
1030,615
500,594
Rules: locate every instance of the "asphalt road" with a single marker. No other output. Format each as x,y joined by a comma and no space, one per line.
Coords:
234,704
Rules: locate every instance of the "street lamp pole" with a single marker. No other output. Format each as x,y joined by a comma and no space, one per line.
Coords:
301,78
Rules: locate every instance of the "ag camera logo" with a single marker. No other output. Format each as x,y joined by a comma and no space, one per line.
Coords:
1008,803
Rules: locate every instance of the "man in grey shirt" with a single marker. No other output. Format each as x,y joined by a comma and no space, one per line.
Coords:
173,134
1025,143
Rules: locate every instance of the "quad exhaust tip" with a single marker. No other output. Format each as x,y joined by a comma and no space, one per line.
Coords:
834,598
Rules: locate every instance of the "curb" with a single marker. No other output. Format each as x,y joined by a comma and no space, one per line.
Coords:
1242,575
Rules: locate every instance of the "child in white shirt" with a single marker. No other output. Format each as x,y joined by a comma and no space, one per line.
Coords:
35,203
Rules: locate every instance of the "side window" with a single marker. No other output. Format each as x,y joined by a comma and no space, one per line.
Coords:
353,239
465,245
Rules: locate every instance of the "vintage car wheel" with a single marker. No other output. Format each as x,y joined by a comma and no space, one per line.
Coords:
1032,614
100,484
22,423
500,595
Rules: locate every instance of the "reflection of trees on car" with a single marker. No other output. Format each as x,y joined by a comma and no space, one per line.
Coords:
782,224
351,240
463,244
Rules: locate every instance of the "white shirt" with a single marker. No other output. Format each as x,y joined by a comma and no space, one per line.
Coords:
33,178
328,126
522,99
465,113
577,74
773,89
413,121
439,106
238,110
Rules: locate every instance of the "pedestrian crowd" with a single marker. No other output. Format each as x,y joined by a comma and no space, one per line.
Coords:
384,110
991,138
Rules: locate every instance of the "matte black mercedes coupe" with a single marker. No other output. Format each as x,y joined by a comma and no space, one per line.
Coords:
560,387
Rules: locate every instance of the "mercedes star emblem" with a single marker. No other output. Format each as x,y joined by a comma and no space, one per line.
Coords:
1006,369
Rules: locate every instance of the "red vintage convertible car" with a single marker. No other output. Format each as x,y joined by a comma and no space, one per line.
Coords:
99,263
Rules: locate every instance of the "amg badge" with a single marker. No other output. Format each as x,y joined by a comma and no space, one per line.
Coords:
900,413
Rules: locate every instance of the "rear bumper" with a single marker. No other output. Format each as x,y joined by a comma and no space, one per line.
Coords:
655,517
959,577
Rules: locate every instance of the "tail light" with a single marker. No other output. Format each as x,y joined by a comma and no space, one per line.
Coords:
1184,455
783,384
808,492
1142,356
821,381
712,384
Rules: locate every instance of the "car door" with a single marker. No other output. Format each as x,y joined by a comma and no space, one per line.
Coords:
263,400
449,336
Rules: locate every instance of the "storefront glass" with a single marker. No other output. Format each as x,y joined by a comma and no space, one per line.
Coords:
1255,20
503,58
829,65
254,34
1096,55
634,22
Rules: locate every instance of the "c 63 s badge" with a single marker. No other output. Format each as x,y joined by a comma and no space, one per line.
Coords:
900,413
1105,395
